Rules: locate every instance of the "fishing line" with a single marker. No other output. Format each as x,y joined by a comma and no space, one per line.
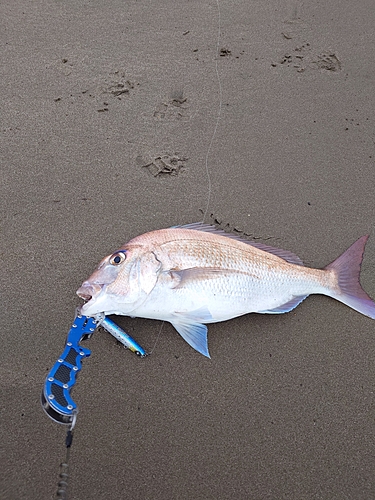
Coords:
157,338
213,135
218,114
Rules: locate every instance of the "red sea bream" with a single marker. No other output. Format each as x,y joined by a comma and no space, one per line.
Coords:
196,274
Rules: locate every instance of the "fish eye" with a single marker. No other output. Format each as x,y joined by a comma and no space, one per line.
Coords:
117,258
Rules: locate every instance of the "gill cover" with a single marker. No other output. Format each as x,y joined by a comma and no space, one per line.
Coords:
137,275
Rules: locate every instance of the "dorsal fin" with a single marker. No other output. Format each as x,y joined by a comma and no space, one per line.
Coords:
207,228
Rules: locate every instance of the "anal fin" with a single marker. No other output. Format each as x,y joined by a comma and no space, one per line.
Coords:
288,306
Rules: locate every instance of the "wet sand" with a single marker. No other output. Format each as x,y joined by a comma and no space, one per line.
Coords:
108,112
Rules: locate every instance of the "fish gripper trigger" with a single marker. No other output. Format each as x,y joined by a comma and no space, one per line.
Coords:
56,399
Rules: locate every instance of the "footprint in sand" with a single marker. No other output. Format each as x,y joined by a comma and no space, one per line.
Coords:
165,164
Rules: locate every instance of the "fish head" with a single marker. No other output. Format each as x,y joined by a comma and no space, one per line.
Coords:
121,283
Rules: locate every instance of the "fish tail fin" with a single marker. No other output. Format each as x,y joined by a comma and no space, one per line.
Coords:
347,268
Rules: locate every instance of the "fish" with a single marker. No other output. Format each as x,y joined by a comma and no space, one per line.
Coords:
197,274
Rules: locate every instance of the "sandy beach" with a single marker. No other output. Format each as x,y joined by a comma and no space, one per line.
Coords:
118,118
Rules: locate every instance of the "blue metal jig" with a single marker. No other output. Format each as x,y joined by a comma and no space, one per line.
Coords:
123,337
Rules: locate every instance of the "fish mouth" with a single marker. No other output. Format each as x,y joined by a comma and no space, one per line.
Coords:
84,295
89,292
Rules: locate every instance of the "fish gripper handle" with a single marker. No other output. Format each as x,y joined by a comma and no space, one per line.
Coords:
56,398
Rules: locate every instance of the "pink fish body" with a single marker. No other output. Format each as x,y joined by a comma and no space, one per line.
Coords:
196,274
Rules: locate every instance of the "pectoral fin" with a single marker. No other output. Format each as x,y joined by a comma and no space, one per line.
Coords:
185,276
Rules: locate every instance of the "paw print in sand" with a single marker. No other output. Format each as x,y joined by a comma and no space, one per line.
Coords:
166,164
176,107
